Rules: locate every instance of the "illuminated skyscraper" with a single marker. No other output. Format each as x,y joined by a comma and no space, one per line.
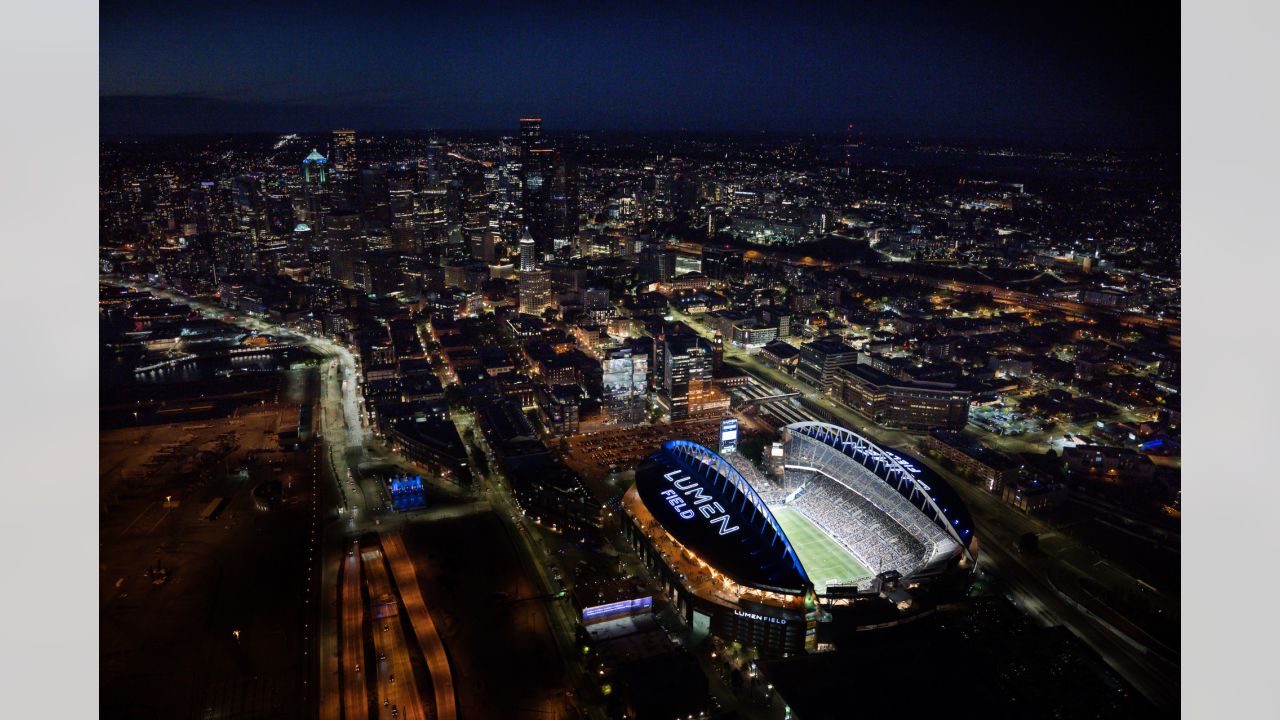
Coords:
549,190
315,170
686,373
530,135
344,151
535,291
315,189
528,253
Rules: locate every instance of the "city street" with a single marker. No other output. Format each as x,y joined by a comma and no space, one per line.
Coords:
355,696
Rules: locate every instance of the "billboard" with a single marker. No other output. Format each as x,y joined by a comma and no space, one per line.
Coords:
622,607
728,435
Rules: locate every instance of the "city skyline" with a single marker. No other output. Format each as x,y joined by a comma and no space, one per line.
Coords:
996,72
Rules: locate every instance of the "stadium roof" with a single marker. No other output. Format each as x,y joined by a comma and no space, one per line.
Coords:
922,487
706,504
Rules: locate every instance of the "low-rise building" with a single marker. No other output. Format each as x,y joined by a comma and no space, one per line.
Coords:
906,404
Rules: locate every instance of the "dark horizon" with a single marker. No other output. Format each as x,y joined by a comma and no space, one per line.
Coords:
862,133
993,72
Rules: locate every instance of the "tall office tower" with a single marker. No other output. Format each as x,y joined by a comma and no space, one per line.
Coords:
400,184
473,204
538,168
315,170
686,373
249,207
528,252
346,246
429,217
535,291
428,166
386,272
375,197
659,363
530,135
315,190
344,151
562,201
549,196
657,264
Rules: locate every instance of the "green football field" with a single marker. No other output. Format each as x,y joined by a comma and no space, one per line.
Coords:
823,559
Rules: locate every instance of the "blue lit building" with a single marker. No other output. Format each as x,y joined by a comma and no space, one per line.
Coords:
315,169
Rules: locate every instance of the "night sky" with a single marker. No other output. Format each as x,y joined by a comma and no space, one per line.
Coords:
1048,73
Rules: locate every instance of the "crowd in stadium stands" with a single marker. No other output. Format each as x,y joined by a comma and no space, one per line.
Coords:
866,531
769,492
893,514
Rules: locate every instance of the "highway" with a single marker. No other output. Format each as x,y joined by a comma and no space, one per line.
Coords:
355,696
423,625
396,686
330,698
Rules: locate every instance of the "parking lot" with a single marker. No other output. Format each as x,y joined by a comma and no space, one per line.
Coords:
596,454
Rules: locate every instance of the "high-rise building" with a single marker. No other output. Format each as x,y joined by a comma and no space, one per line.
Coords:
315,189
537,168
563,201
401,185
386,274
686,373
344,151
549,196
315,170
249,206
530,135
528,253
375,197
346,246
535,291
596,298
